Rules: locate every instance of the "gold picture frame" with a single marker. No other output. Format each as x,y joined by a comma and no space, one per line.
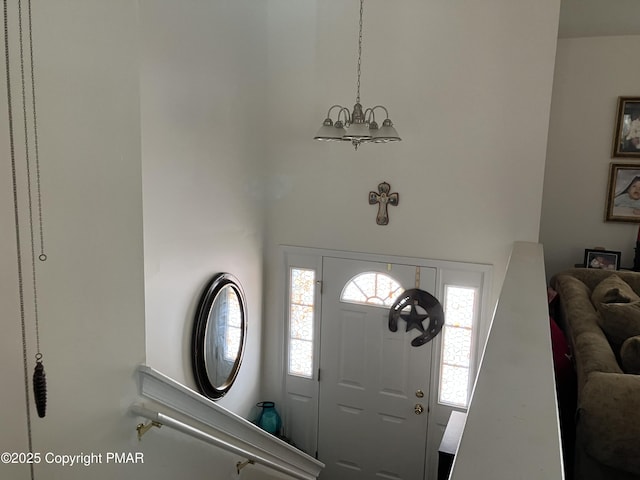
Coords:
626,138
623,193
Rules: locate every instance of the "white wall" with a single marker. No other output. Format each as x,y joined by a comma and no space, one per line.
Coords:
203,81
90,289
590,75
468,86
201,216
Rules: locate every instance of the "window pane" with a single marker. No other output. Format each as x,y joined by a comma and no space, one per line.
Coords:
459,310
352,293
371,288
459,306
457,346
302,283
301,321
387,288
301,358
453,385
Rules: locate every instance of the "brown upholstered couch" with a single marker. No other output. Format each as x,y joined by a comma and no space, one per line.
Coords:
608,399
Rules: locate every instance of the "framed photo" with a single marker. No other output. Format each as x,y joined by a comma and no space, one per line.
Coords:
626,140
603,259
623,195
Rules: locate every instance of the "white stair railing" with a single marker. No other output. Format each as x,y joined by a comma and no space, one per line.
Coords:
204,419
512,428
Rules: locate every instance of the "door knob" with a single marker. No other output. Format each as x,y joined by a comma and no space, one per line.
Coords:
418,409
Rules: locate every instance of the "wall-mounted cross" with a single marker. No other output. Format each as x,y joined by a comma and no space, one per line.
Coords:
383,198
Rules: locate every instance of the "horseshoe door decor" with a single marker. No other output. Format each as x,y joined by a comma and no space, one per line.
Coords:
415,306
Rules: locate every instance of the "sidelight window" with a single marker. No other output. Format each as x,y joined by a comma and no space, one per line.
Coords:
301,321
460,310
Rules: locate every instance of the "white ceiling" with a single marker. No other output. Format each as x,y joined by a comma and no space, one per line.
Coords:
591,18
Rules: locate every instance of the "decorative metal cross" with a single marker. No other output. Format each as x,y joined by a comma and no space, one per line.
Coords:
383,198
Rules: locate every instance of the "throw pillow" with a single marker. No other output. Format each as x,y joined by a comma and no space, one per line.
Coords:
619,321
561,353
613,290
630,355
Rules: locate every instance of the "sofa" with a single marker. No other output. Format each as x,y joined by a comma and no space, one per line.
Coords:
599,311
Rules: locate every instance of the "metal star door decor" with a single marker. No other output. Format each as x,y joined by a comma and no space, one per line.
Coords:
383,198
414,306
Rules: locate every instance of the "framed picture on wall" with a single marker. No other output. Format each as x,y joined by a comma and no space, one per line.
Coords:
603,259
626,139
623,195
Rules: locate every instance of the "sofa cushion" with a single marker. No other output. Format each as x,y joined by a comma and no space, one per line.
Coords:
609,421
619,321
630,355
613,290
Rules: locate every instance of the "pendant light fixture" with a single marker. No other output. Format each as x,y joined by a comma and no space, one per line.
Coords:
359,126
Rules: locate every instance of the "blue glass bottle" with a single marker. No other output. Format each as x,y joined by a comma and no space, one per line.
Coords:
269,420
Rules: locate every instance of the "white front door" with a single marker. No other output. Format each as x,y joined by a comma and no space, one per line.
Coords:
374,386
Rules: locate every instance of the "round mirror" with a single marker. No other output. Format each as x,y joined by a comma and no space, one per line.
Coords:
219,335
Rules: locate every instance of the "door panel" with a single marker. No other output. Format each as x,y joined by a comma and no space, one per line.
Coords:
368,426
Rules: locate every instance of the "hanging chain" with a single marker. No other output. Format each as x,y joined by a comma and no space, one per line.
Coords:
359,51
29,176
42,257
17,227
39,375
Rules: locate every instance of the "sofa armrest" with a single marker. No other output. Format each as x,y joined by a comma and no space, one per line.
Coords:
609,420
578,312
590,347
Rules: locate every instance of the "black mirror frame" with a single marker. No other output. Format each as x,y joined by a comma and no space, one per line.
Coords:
199,366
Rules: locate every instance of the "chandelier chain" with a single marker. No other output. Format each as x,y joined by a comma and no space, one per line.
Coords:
359,51
359,125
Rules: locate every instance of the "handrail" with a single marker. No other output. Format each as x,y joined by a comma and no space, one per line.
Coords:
512,428
222,424
163,419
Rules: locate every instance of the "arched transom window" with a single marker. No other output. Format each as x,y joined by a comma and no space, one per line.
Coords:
371,288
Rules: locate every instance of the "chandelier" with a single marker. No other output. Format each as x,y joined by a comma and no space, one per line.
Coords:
358,126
